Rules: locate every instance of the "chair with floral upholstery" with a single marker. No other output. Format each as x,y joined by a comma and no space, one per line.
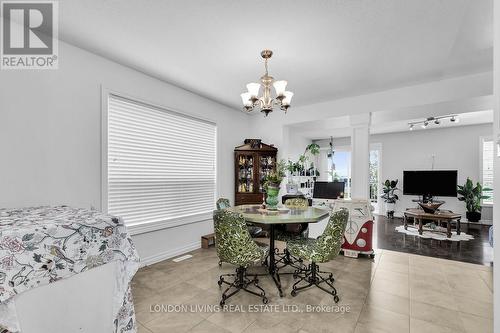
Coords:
234,245
323,249
293,231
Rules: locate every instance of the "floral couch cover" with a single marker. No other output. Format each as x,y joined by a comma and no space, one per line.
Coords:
41,245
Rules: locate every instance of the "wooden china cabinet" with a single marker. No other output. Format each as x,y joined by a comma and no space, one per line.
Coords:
253,161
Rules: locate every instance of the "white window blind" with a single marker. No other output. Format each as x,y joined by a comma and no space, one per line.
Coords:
487,170
161,164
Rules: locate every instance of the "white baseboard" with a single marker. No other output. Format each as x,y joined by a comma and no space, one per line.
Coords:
169,254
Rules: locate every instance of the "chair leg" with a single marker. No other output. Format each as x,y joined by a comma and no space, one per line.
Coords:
287,259
312,275
241,282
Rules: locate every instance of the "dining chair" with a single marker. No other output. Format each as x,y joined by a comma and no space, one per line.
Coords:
320,250
234,245
223,203
293,231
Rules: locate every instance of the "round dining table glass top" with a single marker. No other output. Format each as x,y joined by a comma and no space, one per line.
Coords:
283,215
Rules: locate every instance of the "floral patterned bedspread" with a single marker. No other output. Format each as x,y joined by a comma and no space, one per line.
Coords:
41,245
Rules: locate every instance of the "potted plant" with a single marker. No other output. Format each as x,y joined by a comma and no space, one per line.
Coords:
312,149
390,197
272,184
472,195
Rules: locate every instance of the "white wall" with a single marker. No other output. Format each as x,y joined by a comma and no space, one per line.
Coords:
295,145
496,186
454,148
50,137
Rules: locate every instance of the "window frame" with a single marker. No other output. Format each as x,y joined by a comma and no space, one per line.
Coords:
141,228
344,149
482,139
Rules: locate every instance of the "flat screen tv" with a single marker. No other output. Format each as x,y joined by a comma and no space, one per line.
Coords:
328,190
432,182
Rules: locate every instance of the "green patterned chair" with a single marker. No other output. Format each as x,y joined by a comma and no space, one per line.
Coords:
223,203
323,249
293,231
234,245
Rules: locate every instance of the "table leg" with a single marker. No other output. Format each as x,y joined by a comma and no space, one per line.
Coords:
272,263
448,228
458,227
420,227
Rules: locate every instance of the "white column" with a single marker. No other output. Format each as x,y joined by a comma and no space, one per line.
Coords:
496,165
360,158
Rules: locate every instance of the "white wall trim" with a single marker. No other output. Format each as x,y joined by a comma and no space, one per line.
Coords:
170,254
136,229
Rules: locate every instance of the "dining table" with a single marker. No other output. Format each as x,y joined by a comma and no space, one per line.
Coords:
272,218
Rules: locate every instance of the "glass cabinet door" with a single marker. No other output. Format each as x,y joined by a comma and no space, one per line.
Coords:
245,182
267,164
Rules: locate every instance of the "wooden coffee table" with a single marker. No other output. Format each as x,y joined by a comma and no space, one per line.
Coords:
439,216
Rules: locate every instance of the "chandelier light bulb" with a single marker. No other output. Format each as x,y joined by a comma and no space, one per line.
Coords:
288,97
437,121
253,89
411,127
424,125
245,98
279,87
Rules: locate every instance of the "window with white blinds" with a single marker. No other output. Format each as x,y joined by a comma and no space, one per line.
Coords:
161,164
487,168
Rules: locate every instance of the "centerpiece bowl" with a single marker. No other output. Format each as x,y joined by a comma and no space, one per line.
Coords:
430,207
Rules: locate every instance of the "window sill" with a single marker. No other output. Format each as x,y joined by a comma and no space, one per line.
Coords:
141,228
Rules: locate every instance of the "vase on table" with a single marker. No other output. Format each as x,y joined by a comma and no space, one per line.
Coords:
272,196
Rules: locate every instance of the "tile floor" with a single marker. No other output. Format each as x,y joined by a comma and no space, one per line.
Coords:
395,292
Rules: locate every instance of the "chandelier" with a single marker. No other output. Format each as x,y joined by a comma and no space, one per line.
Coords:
436,120
266,102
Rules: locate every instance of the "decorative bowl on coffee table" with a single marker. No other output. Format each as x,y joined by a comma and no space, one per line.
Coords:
430,207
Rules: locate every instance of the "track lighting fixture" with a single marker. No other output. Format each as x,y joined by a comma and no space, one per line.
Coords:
436,120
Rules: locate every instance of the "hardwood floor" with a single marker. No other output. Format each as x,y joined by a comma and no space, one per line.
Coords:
476,251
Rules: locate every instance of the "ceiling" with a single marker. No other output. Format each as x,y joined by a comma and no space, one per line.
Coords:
340,127
325,49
